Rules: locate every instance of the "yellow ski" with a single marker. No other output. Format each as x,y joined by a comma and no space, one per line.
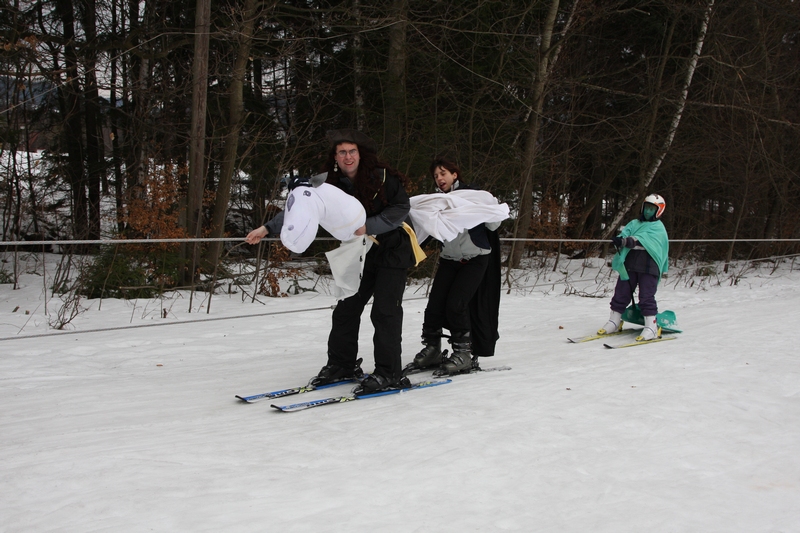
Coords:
639,343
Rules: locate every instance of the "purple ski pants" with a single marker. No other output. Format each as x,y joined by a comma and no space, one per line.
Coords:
623,293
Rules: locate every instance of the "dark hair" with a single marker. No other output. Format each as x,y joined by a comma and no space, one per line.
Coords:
337,137
445,163
367,186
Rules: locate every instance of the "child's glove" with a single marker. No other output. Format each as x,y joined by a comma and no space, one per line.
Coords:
625,242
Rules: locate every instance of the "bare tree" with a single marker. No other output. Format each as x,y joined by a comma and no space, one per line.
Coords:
647,178
548,53
197,152
396,77
244,36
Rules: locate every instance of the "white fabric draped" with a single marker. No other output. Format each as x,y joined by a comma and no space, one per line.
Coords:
307,208
444,216
347,265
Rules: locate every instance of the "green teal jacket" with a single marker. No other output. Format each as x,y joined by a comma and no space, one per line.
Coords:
653,238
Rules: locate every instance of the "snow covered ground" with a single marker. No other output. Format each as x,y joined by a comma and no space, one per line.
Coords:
129,423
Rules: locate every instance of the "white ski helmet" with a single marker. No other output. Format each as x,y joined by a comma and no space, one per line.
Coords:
657,201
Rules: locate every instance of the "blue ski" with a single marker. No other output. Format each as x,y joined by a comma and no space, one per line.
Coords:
351,397
294,390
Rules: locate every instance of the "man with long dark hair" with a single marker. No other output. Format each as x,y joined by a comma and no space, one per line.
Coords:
353,166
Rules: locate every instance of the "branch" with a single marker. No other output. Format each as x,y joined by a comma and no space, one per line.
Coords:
673,128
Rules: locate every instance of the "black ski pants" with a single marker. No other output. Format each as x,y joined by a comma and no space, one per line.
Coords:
386,286
453,288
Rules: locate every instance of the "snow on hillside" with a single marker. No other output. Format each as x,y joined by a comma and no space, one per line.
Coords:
128,421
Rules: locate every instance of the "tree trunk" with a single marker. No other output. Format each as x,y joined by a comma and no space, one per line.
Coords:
358,71
594,202
235,119
647,178
135,97
396,77
71,115
523,222
113,116
197,159
94,141
597,197
779,189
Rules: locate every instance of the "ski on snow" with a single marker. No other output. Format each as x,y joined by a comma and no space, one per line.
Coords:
438,373
444,374
638,343
597,336
273,395
294,390
350,397
411,368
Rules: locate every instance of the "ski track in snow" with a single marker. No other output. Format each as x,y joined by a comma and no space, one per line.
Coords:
139,430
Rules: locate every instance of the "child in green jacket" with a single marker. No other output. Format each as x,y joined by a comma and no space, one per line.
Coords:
641,260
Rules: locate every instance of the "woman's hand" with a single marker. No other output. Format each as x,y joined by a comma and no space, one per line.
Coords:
361,231
255,236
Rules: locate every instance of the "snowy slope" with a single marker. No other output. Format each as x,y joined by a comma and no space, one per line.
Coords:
137,428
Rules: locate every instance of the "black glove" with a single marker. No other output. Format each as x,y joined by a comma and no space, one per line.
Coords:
617,241
299,181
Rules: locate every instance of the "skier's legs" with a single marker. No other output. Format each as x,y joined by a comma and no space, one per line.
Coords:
623,293
436,308
387,318
346,322
648,284
468,277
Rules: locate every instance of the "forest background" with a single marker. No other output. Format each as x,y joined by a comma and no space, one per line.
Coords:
156,119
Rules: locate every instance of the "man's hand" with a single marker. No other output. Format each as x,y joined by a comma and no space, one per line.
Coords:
255,236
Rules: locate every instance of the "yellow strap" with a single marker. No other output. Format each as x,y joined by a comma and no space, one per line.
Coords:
419,255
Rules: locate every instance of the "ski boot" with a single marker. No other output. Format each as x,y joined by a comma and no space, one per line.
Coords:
614,324
476,365
650,331
461,360
379,383
332,373
431,355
